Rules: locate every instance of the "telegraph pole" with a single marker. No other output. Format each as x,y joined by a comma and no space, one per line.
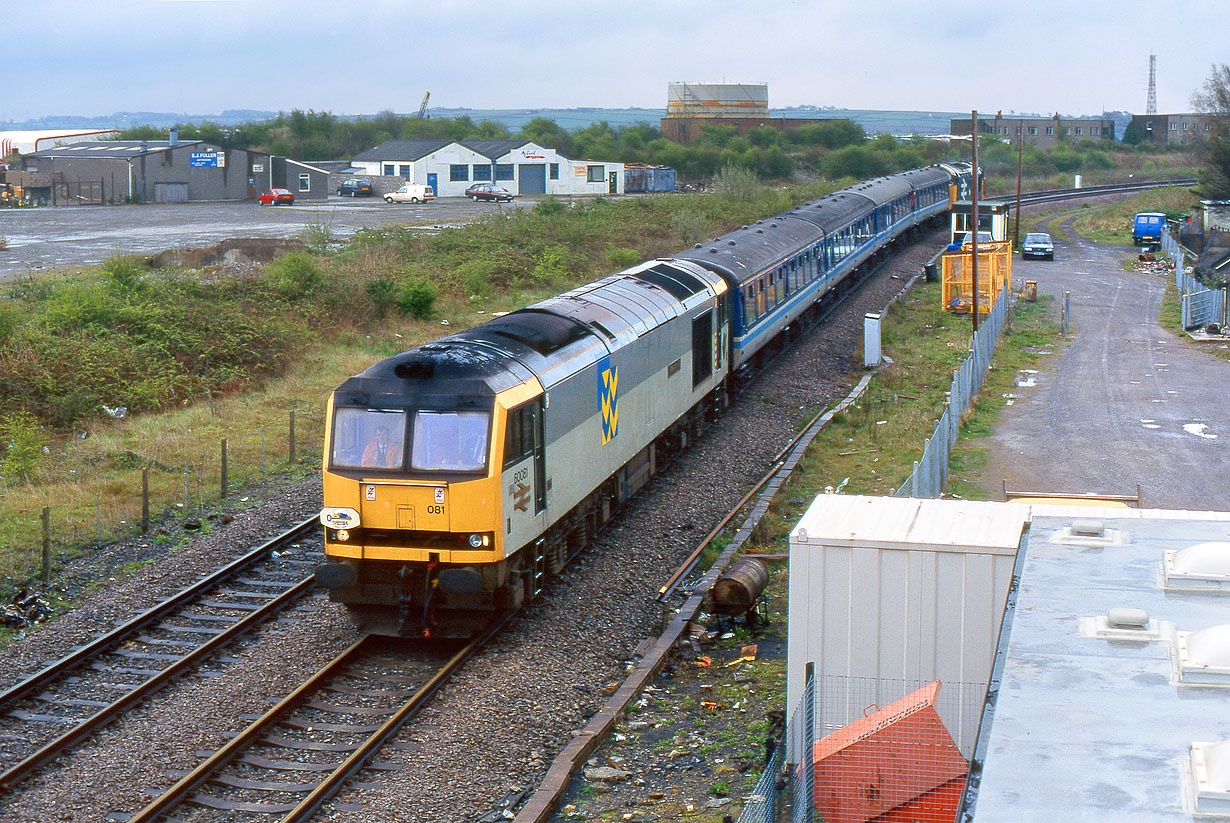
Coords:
973,213
1016,214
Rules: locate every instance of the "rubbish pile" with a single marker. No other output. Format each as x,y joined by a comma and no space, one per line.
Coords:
24,610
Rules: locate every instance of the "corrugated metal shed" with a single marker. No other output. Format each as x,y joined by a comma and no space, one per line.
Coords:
901,589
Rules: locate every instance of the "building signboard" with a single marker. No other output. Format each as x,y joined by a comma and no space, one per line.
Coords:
207,159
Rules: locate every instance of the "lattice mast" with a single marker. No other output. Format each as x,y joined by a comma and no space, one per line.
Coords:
1151,103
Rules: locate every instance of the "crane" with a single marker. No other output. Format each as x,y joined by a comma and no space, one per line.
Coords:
423,107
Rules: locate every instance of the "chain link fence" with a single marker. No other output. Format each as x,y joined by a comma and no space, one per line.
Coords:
931,470
908,756
1201,306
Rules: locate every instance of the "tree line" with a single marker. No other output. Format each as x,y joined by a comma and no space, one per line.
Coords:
837,149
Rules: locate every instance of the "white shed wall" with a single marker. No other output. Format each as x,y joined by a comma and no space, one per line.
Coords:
900,589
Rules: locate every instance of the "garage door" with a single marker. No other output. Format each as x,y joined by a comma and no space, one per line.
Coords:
533,178
170,192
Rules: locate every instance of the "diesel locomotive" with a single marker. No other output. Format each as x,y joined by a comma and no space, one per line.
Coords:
459,475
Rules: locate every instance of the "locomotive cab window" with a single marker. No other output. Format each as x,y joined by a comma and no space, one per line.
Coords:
449,441
368,438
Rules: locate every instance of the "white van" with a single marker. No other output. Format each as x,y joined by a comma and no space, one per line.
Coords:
411,193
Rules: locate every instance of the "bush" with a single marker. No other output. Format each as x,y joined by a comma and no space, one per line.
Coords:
622,258
295,275
125,274
383,293
550,266
417,299
549,205
476,276
737,183
23,440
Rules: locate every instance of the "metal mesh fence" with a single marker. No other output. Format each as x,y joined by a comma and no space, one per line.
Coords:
931,470
1200,305
762,806
865,747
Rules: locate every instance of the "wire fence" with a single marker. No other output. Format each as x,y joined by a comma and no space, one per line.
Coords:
119,500
1201,306
864,746
931,470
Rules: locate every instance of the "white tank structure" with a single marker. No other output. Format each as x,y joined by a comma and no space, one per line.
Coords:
717,100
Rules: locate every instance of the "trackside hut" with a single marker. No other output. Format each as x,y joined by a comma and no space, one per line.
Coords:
153,171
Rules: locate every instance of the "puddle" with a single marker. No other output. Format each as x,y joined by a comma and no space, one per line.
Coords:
1199,429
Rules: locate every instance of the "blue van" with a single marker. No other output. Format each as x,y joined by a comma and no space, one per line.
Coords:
1147,228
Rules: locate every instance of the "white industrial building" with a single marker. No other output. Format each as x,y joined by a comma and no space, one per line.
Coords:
521,166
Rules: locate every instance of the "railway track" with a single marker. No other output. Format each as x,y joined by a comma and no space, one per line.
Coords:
1057,195
51,711
293,759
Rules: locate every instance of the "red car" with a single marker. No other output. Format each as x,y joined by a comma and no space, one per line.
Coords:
489,191
276,197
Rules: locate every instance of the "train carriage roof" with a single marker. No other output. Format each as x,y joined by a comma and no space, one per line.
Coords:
750,250
836,211
921,178
883,190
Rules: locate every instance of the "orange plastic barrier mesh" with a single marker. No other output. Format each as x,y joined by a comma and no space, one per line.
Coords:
894,757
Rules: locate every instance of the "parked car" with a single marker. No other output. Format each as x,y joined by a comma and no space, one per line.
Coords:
355,188
1038,244
276,197
411,193
489,191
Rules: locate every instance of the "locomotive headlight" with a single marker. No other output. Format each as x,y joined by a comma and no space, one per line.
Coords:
343,535
477,541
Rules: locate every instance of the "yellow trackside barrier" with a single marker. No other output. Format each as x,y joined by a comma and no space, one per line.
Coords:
994,274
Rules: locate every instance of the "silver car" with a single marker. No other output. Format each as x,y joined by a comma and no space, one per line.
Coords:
1038,244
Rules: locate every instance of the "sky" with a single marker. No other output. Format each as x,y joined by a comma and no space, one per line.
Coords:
86,57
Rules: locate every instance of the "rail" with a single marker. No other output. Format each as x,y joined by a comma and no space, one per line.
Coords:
128,634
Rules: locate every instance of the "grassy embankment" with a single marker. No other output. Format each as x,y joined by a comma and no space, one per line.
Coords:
195,357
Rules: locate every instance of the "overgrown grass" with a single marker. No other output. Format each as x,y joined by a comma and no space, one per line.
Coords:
1112,223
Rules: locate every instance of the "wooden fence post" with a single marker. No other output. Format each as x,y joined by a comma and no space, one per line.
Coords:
46,518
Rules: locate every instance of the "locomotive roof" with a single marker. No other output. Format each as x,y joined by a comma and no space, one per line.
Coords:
549,340
752,249
445,367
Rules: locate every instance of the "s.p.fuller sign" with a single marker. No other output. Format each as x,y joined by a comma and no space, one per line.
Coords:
207,159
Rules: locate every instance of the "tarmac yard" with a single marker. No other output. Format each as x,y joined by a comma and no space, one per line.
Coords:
48,238
1122,401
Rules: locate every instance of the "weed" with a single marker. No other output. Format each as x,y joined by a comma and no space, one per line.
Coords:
23,441
417,299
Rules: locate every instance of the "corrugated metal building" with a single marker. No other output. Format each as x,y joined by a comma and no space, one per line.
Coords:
153,171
